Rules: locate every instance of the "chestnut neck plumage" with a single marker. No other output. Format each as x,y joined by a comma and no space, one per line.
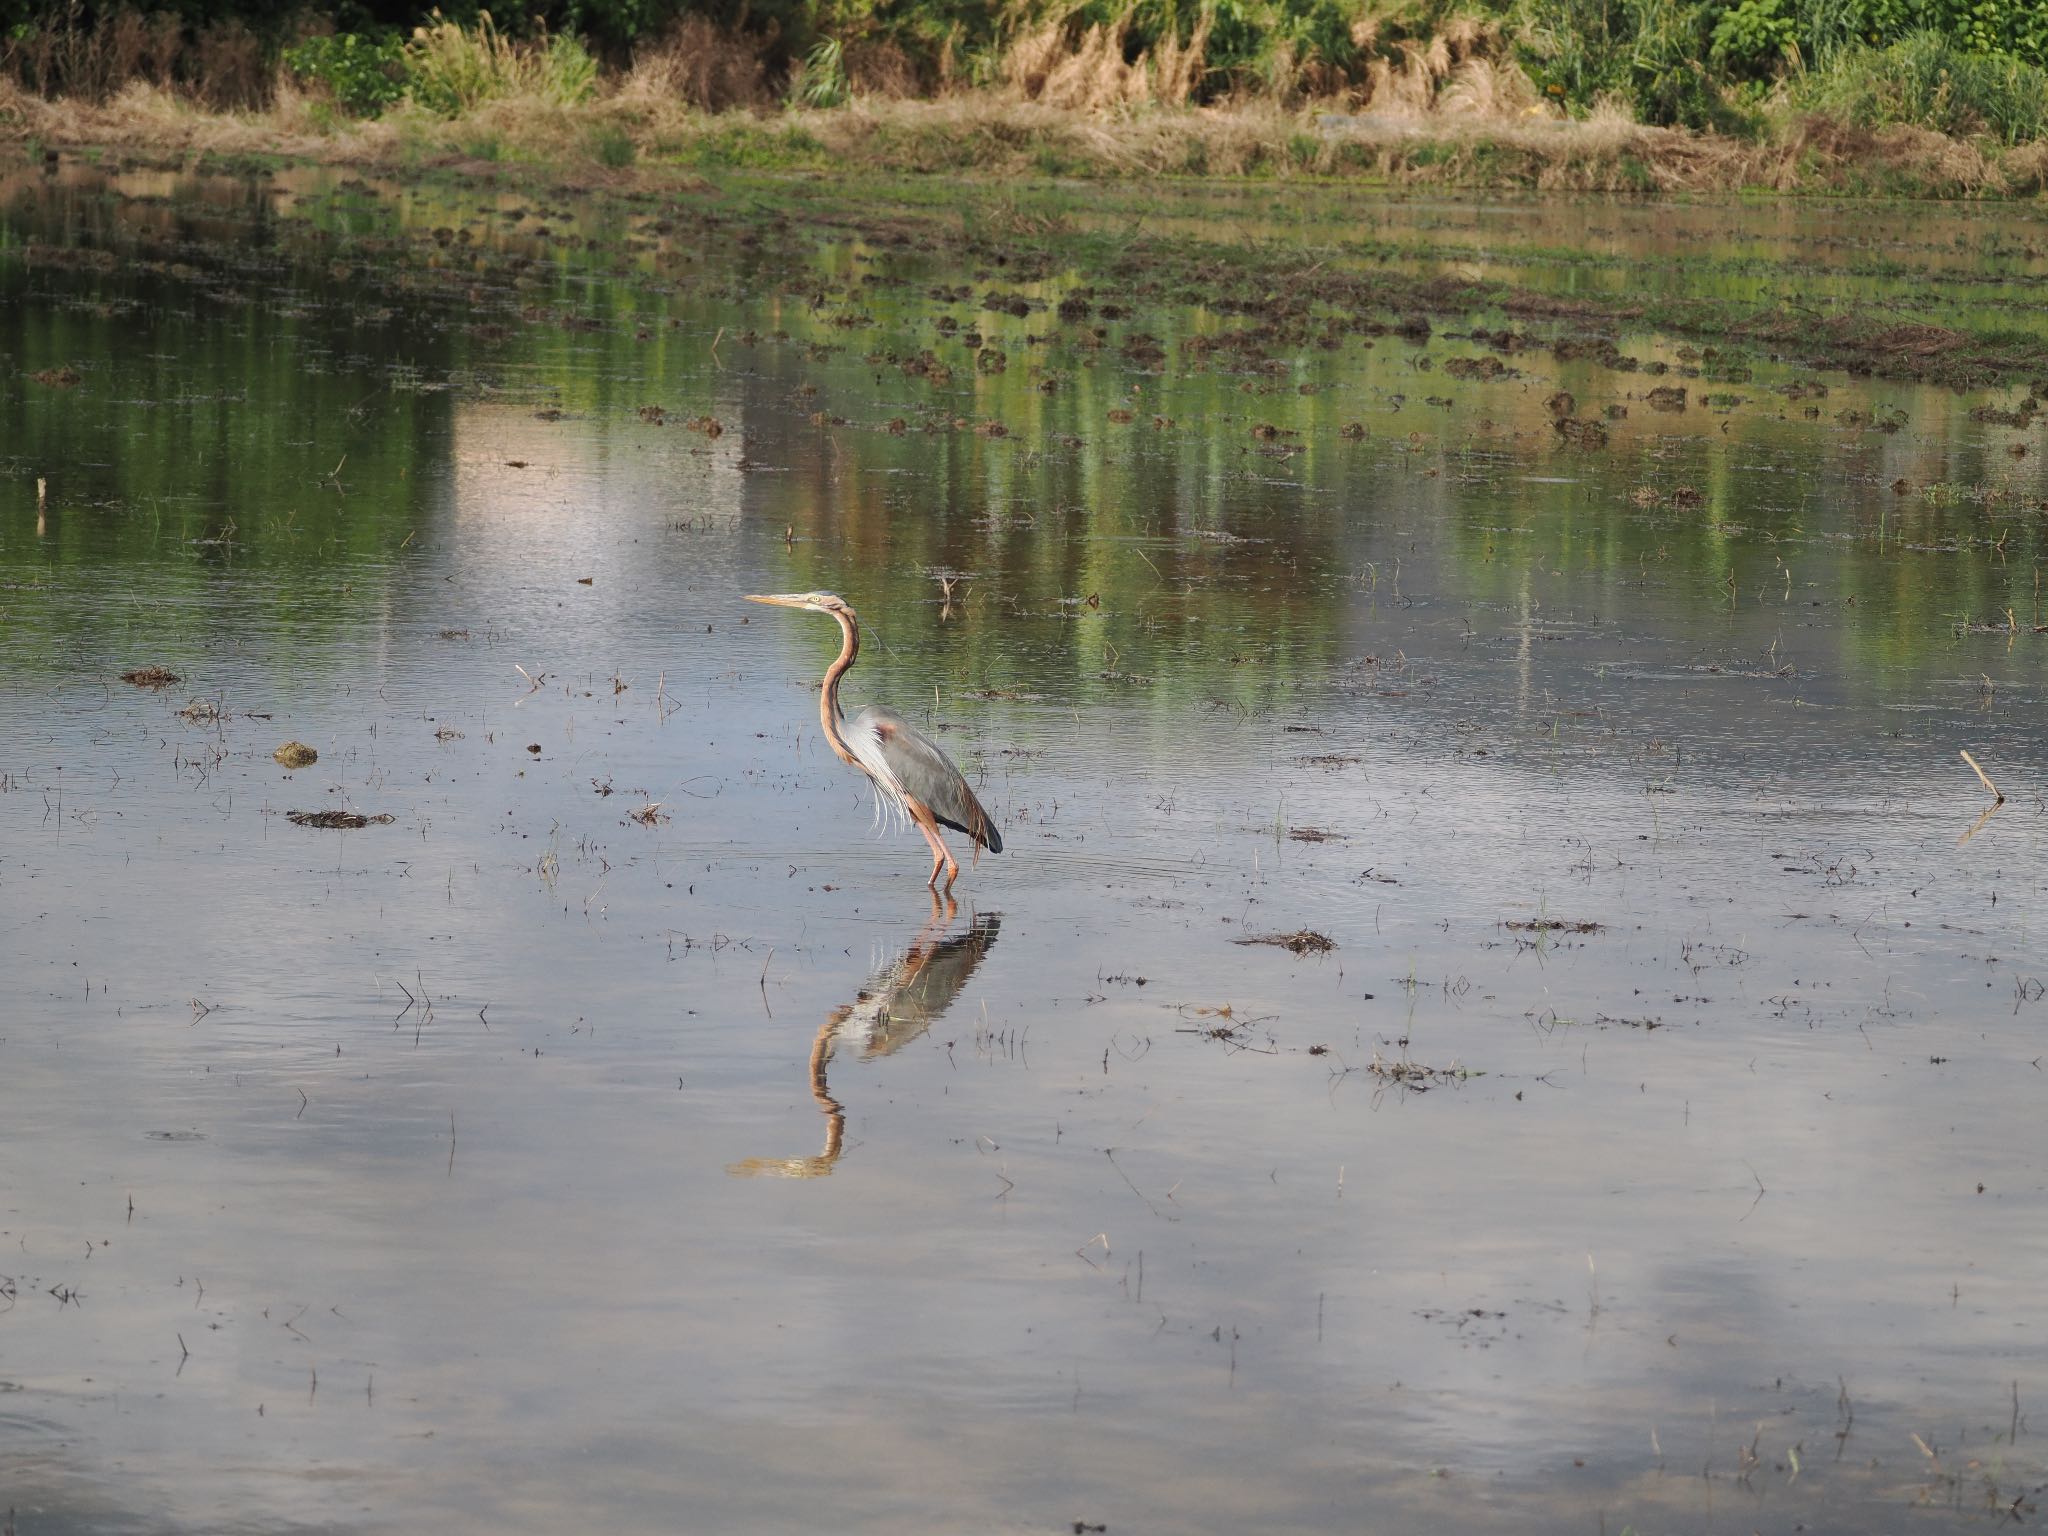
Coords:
828,699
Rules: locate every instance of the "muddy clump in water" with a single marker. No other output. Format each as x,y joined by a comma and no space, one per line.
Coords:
295,754
151,677
1488,367
1580,433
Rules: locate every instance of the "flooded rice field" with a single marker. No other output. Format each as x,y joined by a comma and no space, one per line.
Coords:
1502,1008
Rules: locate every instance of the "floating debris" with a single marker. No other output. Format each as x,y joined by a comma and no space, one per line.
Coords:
1304,941
1415,1075
152,677
338,820
295,754
1551,925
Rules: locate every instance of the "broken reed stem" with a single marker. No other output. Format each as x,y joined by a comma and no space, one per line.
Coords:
1981,774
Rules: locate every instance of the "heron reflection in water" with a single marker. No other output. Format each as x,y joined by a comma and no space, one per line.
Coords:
900,1002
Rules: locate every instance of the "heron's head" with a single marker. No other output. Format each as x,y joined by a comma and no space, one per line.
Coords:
810,602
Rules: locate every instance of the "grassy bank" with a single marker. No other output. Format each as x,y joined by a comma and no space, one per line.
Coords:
1632,96
626,134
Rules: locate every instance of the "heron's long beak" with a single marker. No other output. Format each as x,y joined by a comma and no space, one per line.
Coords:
776,599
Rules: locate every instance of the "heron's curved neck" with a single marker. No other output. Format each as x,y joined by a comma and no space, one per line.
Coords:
828,699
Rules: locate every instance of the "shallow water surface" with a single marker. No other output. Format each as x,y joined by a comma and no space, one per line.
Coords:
617,1136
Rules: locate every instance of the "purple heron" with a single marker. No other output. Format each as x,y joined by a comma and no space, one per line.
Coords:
914,779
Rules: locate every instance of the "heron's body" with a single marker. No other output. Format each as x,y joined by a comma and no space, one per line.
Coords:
913,777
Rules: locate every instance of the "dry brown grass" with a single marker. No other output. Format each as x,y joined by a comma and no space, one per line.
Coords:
1917,157
224,65
881,68
1457,143
1086,71
1461,69
95,62
151,120
701,65
1483,88
229,67
1476,132
2026,168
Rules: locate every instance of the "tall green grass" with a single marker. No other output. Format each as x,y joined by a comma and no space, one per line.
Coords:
1926,81
452,68
364,74
822,81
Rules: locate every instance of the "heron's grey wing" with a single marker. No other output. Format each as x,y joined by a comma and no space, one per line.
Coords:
923,771
924,983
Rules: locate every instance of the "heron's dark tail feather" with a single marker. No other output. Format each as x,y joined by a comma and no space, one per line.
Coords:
979,827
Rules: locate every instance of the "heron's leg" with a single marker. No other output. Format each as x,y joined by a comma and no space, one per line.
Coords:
952,869
938,849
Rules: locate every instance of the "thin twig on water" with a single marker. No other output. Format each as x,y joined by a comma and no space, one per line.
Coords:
1993,788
